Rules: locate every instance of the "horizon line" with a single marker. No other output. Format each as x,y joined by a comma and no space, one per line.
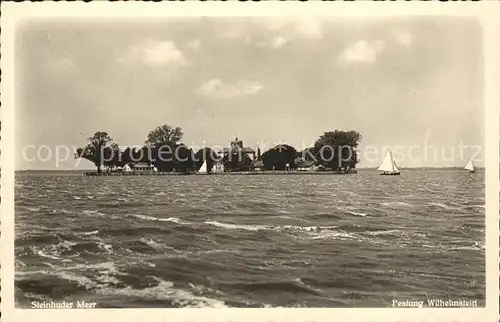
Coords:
360,168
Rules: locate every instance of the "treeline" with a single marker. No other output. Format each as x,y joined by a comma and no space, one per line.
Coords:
335,150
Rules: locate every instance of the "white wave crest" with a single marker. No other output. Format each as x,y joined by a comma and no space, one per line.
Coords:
151,218
234,226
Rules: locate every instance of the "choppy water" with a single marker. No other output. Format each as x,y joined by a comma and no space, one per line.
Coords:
250,241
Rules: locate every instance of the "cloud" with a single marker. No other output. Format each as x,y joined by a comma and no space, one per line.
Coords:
403,37
307,27
362,51
195,44
67,65
63,66
276,23
217,89
232,34
296,27
276,42
154,52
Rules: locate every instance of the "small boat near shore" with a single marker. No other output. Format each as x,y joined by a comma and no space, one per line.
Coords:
470,167
203,169
388,166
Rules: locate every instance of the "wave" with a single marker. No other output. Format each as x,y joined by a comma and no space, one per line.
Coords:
295,286
444,206
475,246
465,248
63,250
335,235
119,232
268,227
106,247
350,193
396,204
384,232
151,218
92,247
39,240
94,212
326,215
102,275
123,204
62,211
151,242
165,292
305,228
41,253
353,211
89,233
445,248
361,214
313,232
81,280
234,226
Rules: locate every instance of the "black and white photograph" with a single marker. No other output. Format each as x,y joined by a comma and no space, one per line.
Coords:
315,161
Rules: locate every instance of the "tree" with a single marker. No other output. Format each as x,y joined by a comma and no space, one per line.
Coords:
111,156
337,149
237,160
278,157
160,148
183,158
205,154
94,151
308,154
126,157
163,158
164,135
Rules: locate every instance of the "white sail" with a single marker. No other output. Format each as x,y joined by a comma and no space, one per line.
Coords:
388,163
395,166
469,166
203,168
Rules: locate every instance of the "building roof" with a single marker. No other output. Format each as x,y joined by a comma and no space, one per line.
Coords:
141,165
258,164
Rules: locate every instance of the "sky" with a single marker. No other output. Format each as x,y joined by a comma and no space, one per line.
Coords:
411,84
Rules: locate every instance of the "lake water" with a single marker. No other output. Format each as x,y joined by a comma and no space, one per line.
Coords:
250,241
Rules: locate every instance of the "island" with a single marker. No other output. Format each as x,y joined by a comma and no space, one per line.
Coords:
163,153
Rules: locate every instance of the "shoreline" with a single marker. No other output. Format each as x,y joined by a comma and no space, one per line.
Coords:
247,173
357,169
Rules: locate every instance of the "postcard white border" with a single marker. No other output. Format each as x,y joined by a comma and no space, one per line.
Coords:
486,11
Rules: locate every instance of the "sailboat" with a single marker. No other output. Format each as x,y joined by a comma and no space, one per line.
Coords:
203,169
388,166
470,167
219,167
